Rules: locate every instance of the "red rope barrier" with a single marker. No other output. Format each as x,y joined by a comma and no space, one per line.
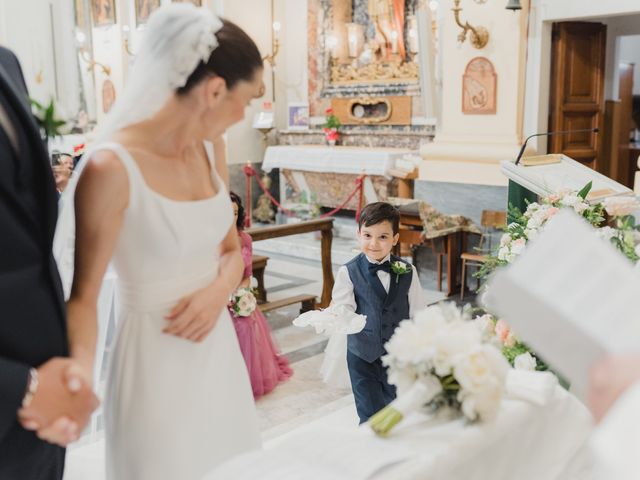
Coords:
249,171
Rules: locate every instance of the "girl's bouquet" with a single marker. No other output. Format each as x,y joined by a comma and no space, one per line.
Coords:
243,302
440,360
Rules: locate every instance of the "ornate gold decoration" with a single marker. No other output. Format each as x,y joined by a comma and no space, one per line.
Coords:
479,35
92,64
374,73
369,101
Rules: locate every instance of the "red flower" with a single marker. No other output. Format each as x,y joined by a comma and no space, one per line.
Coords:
329,111
77,148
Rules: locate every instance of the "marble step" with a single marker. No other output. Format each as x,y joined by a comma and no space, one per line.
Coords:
307,246
299,343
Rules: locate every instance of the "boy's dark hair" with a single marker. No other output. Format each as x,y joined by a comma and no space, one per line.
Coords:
240,220
379,212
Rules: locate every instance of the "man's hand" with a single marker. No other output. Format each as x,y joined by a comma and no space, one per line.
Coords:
62,405
610,377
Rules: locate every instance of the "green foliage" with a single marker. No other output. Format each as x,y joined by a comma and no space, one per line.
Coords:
50,126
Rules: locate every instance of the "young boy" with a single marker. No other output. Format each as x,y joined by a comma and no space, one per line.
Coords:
372,284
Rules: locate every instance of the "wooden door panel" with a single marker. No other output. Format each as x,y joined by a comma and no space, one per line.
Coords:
577,89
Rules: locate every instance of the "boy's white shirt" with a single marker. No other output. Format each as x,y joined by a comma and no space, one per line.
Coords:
343,288
334,365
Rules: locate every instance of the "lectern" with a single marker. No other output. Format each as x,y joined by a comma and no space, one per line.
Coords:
543,175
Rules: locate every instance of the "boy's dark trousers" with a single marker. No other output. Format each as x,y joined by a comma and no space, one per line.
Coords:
369,383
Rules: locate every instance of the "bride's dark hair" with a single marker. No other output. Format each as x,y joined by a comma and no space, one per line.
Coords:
236,58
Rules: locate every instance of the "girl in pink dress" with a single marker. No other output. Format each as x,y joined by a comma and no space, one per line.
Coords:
266,367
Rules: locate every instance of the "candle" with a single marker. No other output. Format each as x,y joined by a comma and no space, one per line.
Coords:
354,36
413,34
394,42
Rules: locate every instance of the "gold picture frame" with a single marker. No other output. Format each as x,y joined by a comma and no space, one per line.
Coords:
103,12
144,8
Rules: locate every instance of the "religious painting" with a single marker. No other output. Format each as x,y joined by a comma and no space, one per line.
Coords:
197,3
479,87
103,12
144,8
298,116
108,95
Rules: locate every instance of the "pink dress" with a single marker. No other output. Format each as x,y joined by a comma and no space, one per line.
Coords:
266,367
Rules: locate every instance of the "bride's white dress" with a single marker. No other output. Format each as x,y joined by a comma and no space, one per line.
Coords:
174,409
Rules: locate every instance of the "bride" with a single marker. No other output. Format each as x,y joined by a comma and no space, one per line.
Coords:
178,399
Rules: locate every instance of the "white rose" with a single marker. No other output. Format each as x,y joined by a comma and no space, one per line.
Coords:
620,206
606,233
505,239
525,361
486,325
479,367
517,247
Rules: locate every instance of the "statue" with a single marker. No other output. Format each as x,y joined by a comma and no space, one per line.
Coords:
388,18
263,211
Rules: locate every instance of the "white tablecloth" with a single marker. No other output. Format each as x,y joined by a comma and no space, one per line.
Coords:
316,158
529,440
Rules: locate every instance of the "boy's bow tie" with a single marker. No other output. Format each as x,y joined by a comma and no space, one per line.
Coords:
374,267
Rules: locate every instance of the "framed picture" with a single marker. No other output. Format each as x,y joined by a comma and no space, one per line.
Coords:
81,21
103,12
144,8
197,3
298,116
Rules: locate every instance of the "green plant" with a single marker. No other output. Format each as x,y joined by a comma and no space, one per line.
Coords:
50,126
331,121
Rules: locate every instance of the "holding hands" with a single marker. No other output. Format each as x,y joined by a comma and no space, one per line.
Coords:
59,402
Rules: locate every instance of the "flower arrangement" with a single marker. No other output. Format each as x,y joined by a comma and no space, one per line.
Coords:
526,226
498,333
400,268
440,361
625,235
243,302
331,126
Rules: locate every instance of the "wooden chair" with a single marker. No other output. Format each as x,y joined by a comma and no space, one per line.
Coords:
414,239
490,221
259,263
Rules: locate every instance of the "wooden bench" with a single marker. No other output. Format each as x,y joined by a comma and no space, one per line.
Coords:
259,263
308,303
324,225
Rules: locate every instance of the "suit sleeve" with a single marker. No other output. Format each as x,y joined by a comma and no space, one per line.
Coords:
14,377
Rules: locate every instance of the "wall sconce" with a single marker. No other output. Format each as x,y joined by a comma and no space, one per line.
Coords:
84,55
275,45
479,35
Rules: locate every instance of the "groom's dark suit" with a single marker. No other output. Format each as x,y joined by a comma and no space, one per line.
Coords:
32,318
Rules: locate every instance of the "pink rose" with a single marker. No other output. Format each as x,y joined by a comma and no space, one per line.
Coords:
502,330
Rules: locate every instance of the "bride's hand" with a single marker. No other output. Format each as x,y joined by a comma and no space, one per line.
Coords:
196,315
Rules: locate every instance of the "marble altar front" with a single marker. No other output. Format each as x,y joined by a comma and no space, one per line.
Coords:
327,175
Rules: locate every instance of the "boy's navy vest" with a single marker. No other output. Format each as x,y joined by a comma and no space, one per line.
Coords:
384,311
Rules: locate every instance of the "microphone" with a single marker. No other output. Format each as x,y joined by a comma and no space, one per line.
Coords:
563,132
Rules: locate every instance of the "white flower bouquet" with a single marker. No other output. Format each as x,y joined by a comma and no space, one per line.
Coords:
439,360
243,302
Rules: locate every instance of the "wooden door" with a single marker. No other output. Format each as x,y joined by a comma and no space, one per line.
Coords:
577,89
625,172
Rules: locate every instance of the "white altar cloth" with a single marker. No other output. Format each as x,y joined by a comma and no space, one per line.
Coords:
317,158
529,440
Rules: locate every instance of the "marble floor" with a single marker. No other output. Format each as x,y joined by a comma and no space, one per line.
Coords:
302,400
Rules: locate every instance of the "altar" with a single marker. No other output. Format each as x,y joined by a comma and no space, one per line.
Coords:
327,175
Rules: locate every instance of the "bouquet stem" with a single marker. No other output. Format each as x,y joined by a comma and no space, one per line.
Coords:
383,421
